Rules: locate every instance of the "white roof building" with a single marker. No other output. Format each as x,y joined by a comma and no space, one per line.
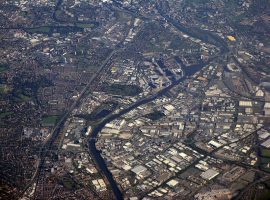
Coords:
209,174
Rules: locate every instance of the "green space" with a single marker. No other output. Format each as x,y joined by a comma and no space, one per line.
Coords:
86,25
23,13
266,169
156,115
264,196
55,29
69,183
5,114
178,43
265,160
122,90
67,29
42,29
4,89
263,164
50,120
22,95
58,13
3,68
153,47
26,88
122,16
194,2
24,98
265,152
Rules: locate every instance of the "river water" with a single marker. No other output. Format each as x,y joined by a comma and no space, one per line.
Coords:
188,71
96,155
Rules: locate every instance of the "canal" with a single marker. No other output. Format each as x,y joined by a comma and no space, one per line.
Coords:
188,71
96,154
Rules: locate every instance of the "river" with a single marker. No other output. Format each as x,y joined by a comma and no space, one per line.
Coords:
96,155
188,71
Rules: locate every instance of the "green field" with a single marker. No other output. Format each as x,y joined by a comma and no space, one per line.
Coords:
156,115
59,29
3,68
23,13
85,25
265,152
5,114
50,120
265,160
188,3
4,89
123,90
25,97
69,183
264,196
42,29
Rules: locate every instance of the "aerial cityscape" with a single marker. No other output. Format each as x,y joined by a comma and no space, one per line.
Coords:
135,99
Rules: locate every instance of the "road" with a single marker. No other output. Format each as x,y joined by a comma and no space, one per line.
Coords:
96,155
56,130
